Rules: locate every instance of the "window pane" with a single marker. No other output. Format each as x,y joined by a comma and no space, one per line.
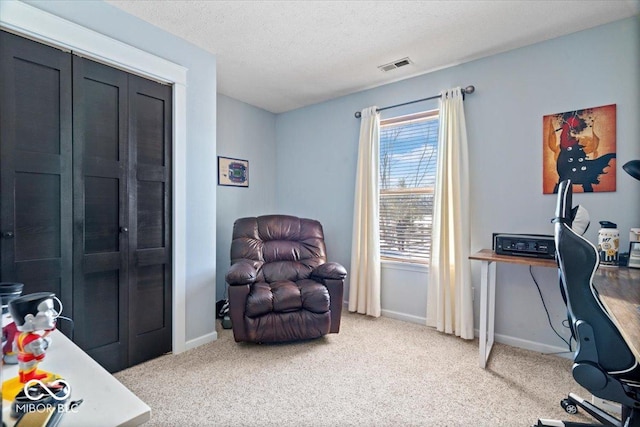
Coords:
408,152
408,156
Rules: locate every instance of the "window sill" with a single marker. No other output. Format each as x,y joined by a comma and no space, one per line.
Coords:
406,266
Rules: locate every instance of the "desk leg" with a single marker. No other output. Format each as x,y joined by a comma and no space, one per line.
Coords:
487,310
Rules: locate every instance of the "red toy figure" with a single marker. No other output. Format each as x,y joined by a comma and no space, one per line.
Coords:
9,334
35,318
8,292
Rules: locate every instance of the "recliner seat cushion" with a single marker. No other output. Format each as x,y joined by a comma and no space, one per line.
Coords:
287,296
283,327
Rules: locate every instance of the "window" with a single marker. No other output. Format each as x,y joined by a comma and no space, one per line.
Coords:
408,157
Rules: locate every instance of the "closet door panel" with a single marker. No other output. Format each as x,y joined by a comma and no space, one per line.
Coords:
100,213
150,213
101,296
35,167
37,204
38,98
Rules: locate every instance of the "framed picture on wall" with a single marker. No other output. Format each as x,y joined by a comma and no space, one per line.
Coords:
233,172
580,145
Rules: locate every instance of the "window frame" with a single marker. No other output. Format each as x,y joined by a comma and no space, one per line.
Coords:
398,261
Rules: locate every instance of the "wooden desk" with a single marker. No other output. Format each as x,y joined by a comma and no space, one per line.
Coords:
106,402
618,287
619,290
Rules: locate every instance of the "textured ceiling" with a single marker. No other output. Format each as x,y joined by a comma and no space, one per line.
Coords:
282,55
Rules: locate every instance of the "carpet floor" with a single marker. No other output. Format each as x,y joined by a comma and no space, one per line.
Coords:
375,372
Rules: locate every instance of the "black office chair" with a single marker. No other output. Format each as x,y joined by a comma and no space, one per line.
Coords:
603,362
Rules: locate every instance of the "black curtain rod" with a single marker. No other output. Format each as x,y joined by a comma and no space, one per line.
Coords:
466,90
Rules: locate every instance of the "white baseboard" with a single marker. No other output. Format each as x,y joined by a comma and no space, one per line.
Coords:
503,339
204,339
396,315
404,317
532,345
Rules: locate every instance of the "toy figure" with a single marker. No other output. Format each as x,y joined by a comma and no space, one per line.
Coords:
35,318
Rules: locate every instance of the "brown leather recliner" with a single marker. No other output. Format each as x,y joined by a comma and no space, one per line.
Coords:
281,287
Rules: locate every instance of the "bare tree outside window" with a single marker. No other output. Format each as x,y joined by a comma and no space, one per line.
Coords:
408,156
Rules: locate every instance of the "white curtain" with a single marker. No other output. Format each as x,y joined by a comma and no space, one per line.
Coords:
449,303
364,282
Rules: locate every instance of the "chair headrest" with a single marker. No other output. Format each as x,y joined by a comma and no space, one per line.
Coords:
563,204
580,219
577,218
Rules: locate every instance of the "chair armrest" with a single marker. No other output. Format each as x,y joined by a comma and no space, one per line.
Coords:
329,270
241,273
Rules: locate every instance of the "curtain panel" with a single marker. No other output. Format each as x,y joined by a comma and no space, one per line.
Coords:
449,291
364,282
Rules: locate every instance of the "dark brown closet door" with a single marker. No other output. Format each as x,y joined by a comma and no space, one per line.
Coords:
100,240
35,167
85,196
150,219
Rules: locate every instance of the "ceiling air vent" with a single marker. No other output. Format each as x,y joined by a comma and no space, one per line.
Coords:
395,64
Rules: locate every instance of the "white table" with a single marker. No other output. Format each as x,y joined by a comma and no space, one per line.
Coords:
106,402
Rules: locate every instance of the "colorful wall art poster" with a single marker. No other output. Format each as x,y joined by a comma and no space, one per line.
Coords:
580,145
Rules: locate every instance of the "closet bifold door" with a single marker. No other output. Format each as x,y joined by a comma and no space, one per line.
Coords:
150,130
35,168
100,241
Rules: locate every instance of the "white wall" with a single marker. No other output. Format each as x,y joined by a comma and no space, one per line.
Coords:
201,177
248,133
514,90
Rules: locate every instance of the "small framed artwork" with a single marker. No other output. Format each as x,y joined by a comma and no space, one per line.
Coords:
233,172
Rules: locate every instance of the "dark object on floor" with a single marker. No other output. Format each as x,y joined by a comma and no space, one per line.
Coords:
222,312
226,322
222,308
281,287
603,362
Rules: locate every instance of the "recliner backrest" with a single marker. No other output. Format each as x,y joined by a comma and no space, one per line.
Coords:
578,260
280,247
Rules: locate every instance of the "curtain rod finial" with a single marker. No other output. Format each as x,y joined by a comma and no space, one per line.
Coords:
469,89
358,114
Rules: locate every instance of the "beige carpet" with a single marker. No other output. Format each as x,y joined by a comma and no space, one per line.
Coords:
376,372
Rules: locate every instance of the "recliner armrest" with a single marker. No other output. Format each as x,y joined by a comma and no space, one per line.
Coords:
241,273
330,270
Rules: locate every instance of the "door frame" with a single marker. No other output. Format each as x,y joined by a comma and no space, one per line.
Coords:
36,24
